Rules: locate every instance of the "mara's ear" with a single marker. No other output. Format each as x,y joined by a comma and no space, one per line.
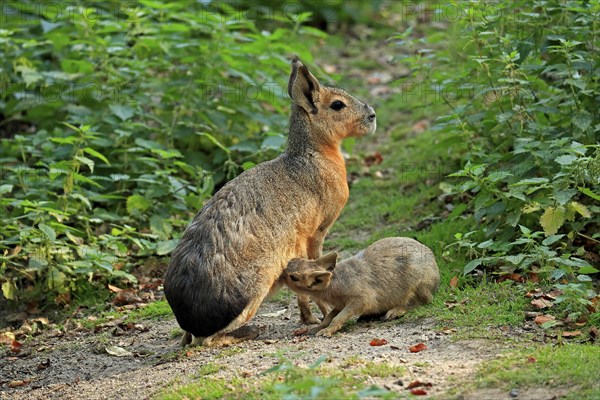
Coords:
320,280
328,261
303,87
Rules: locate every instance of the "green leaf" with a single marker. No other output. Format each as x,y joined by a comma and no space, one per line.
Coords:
589,192
471,265
6,188
582,120
89,163
552,239
564,195
166,247
549,324
161,226
137,204
56,280
29,75
588,270
552,219
525,230
580,209
124,112
48,231
9,290
566,159
247,165
96,154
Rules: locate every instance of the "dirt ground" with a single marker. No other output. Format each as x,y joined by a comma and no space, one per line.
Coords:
76,364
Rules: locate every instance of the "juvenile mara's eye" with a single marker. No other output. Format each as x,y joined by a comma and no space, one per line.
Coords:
294,278
337,105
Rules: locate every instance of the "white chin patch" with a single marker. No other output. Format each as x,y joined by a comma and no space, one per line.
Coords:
373,128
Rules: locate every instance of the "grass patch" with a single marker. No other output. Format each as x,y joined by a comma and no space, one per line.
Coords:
210,369
155,310
476,310
230,351
571,365
285,380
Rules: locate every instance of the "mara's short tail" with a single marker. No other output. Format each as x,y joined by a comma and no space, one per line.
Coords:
202,307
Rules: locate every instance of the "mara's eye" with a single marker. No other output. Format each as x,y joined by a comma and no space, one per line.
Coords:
294,278
318,280
337,105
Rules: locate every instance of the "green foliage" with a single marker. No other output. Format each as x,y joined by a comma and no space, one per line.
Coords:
532,124
284,380
572,365
118,121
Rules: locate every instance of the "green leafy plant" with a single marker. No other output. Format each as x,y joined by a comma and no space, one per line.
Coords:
532,124
118,122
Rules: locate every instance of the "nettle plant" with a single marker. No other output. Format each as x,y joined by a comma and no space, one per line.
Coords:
117,122
533,127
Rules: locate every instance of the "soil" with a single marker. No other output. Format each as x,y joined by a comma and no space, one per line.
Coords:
74,363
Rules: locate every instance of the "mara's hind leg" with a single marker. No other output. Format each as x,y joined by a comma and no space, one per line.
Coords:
236,332
394,313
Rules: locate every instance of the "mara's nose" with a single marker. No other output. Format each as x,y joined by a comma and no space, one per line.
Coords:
371,112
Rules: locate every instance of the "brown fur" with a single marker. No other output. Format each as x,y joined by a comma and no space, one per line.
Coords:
388,277
234,251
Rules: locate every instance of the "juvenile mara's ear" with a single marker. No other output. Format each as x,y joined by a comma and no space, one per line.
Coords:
303,87
328,261
320,280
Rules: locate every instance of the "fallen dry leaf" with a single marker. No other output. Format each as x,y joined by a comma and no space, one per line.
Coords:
512,277
531,360
454,282
418,392
14,384
553,294
541,303
417,347
378,342
534,293
15,346
421,126
571,333
7,337
594,333
126,297
114,289
300,331
542,319
418,383
118,351
43,365
373,159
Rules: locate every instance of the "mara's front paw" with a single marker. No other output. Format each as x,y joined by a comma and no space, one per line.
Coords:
310,319
327,332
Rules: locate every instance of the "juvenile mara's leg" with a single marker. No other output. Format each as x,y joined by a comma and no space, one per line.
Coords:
186,339
352,309
236,332
313,250
306,316
323,307
326,321
394,313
